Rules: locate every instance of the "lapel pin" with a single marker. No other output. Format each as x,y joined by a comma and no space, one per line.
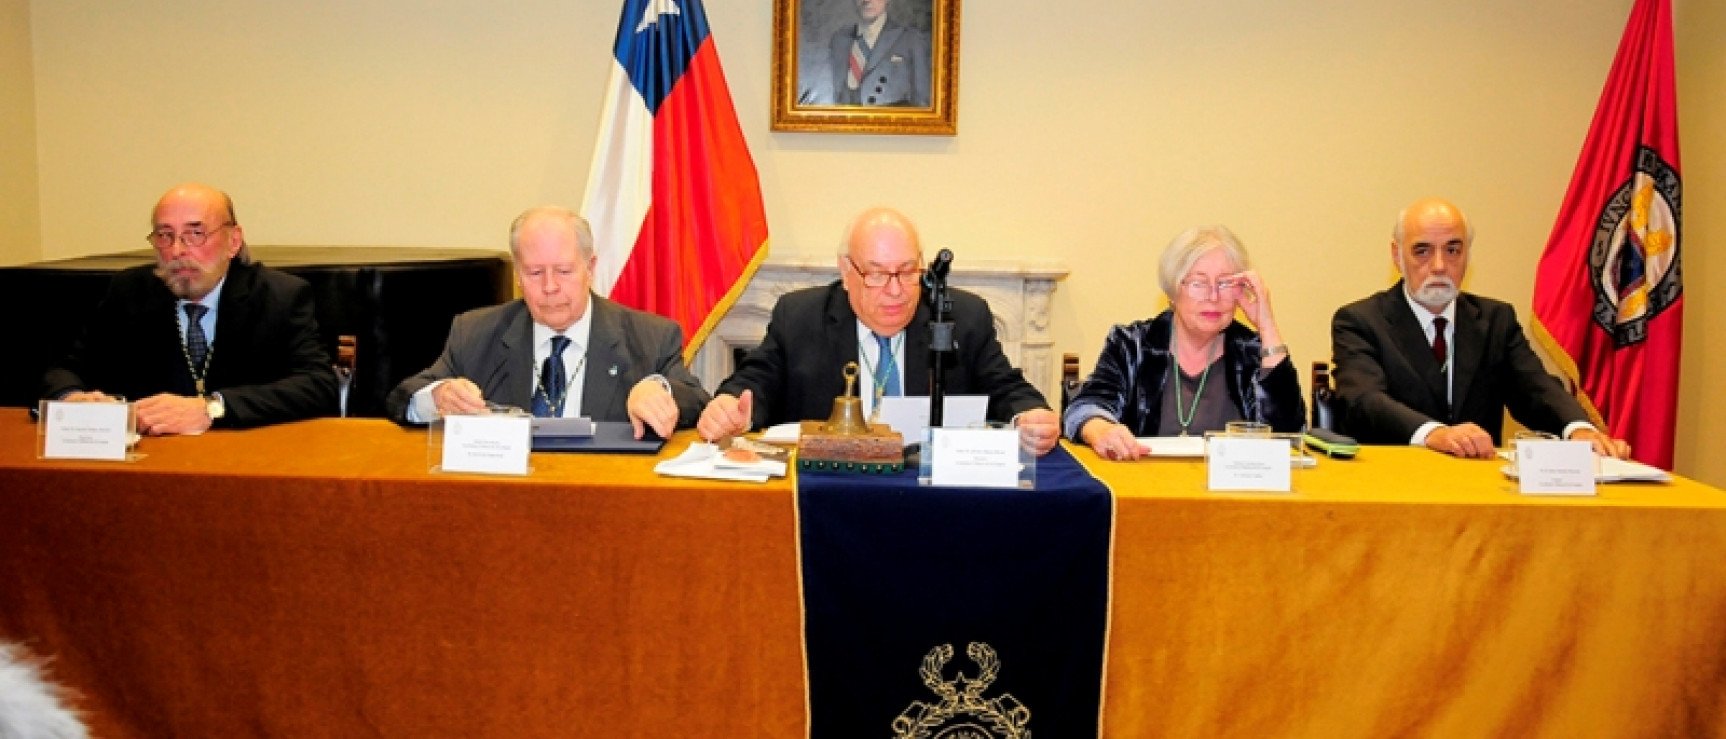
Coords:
613,370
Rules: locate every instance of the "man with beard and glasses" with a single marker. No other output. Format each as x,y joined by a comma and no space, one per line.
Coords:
1426,364
204,337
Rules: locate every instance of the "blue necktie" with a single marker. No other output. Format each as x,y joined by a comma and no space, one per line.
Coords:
553,384
887,374
197,345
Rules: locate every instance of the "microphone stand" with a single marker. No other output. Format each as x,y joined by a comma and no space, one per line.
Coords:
940,334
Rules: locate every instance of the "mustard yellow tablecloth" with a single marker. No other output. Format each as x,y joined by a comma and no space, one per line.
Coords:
313,579
1410,593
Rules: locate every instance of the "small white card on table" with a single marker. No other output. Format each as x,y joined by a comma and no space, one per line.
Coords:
495,445
909,414
86,430
983,458
1248,464
1555,467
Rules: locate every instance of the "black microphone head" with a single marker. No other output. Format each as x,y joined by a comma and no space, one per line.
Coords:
943,263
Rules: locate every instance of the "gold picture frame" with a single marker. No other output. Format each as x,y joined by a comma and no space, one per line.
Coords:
909,81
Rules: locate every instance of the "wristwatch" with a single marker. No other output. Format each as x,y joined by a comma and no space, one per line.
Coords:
214,406
1271,351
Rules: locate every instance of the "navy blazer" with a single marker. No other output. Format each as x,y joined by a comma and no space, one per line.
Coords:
493,347
267,359
1390,384
797,370
1131,378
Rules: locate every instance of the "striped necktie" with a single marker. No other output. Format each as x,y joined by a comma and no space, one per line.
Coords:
859,57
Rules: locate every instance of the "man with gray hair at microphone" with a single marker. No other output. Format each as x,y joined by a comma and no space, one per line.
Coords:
873,315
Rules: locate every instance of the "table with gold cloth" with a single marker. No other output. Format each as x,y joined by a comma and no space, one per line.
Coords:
313,579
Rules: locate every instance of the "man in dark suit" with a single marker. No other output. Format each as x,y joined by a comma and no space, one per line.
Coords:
559,350
872,315
879,62
204,337
1426,364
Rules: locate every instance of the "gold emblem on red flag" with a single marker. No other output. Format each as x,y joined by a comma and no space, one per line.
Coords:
1634,260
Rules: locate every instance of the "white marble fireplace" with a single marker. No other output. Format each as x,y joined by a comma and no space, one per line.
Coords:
1018,294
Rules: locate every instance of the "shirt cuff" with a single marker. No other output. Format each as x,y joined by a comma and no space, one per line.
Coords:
1424,431
659,378
422,409
1575,426
1079,415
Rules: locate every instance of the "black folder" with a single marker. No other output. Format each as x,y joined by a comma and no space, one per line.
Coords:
608,436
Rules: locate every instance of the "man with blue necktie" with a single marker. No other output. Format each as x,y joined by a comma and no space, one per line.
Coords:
873,315
558,350
204,337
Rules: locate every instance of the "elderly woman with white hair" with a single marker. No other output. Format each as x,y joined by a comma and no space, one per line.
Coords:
1193,368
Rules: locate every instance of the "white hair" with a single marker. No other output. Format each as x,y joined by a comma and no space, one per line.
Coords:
1191,246
30,706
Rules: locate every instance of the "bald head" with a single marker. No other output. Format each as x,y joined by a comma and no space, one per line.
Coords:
1430,246
881,221
882,244
1430,210
194,232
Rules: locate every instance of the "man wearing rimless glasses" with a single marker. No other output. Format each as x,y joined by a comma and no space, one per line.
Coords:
873,315
203,337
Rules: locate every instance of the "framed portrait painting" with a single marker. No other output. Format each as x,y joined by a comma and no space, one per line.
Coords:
866,66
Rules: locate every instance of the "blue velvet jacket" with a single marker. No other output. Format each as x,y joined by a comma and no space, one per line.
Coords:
1129,380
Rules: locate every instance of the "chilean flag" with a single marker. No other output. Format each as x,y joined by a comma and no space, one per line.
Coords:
672,196
1609,293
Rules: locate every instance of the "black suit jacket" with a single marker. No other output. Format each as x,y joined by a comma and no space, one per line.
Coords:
1132,374
493,347
1390,383
268,362
797,370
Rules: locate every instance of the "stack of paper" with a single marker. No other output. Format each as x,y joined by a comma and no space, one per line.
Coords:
704,460
1610,469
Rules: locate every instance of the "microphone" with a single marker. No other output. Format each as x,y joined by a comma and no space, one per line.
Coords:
936,274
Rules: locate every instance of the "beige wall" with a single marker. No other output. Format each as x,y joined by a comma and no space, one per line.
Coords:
1699,27
20,224
1087,137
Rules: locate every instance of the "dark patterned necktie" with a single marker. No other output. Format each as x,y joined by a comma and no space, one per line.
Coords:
1440,349
553,383
197,345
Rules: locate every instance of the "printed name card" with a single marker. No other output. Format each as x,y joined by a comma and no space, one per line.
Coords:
1555,467
1248,464
86,430
982,458
493,445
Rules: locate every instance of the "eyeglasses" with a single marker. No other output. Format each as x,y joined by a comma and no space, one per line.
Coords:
1201,289
193,237
906,277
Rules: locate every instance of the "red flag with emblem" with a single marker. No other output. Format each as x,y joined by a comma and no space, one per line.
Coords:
1608,298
